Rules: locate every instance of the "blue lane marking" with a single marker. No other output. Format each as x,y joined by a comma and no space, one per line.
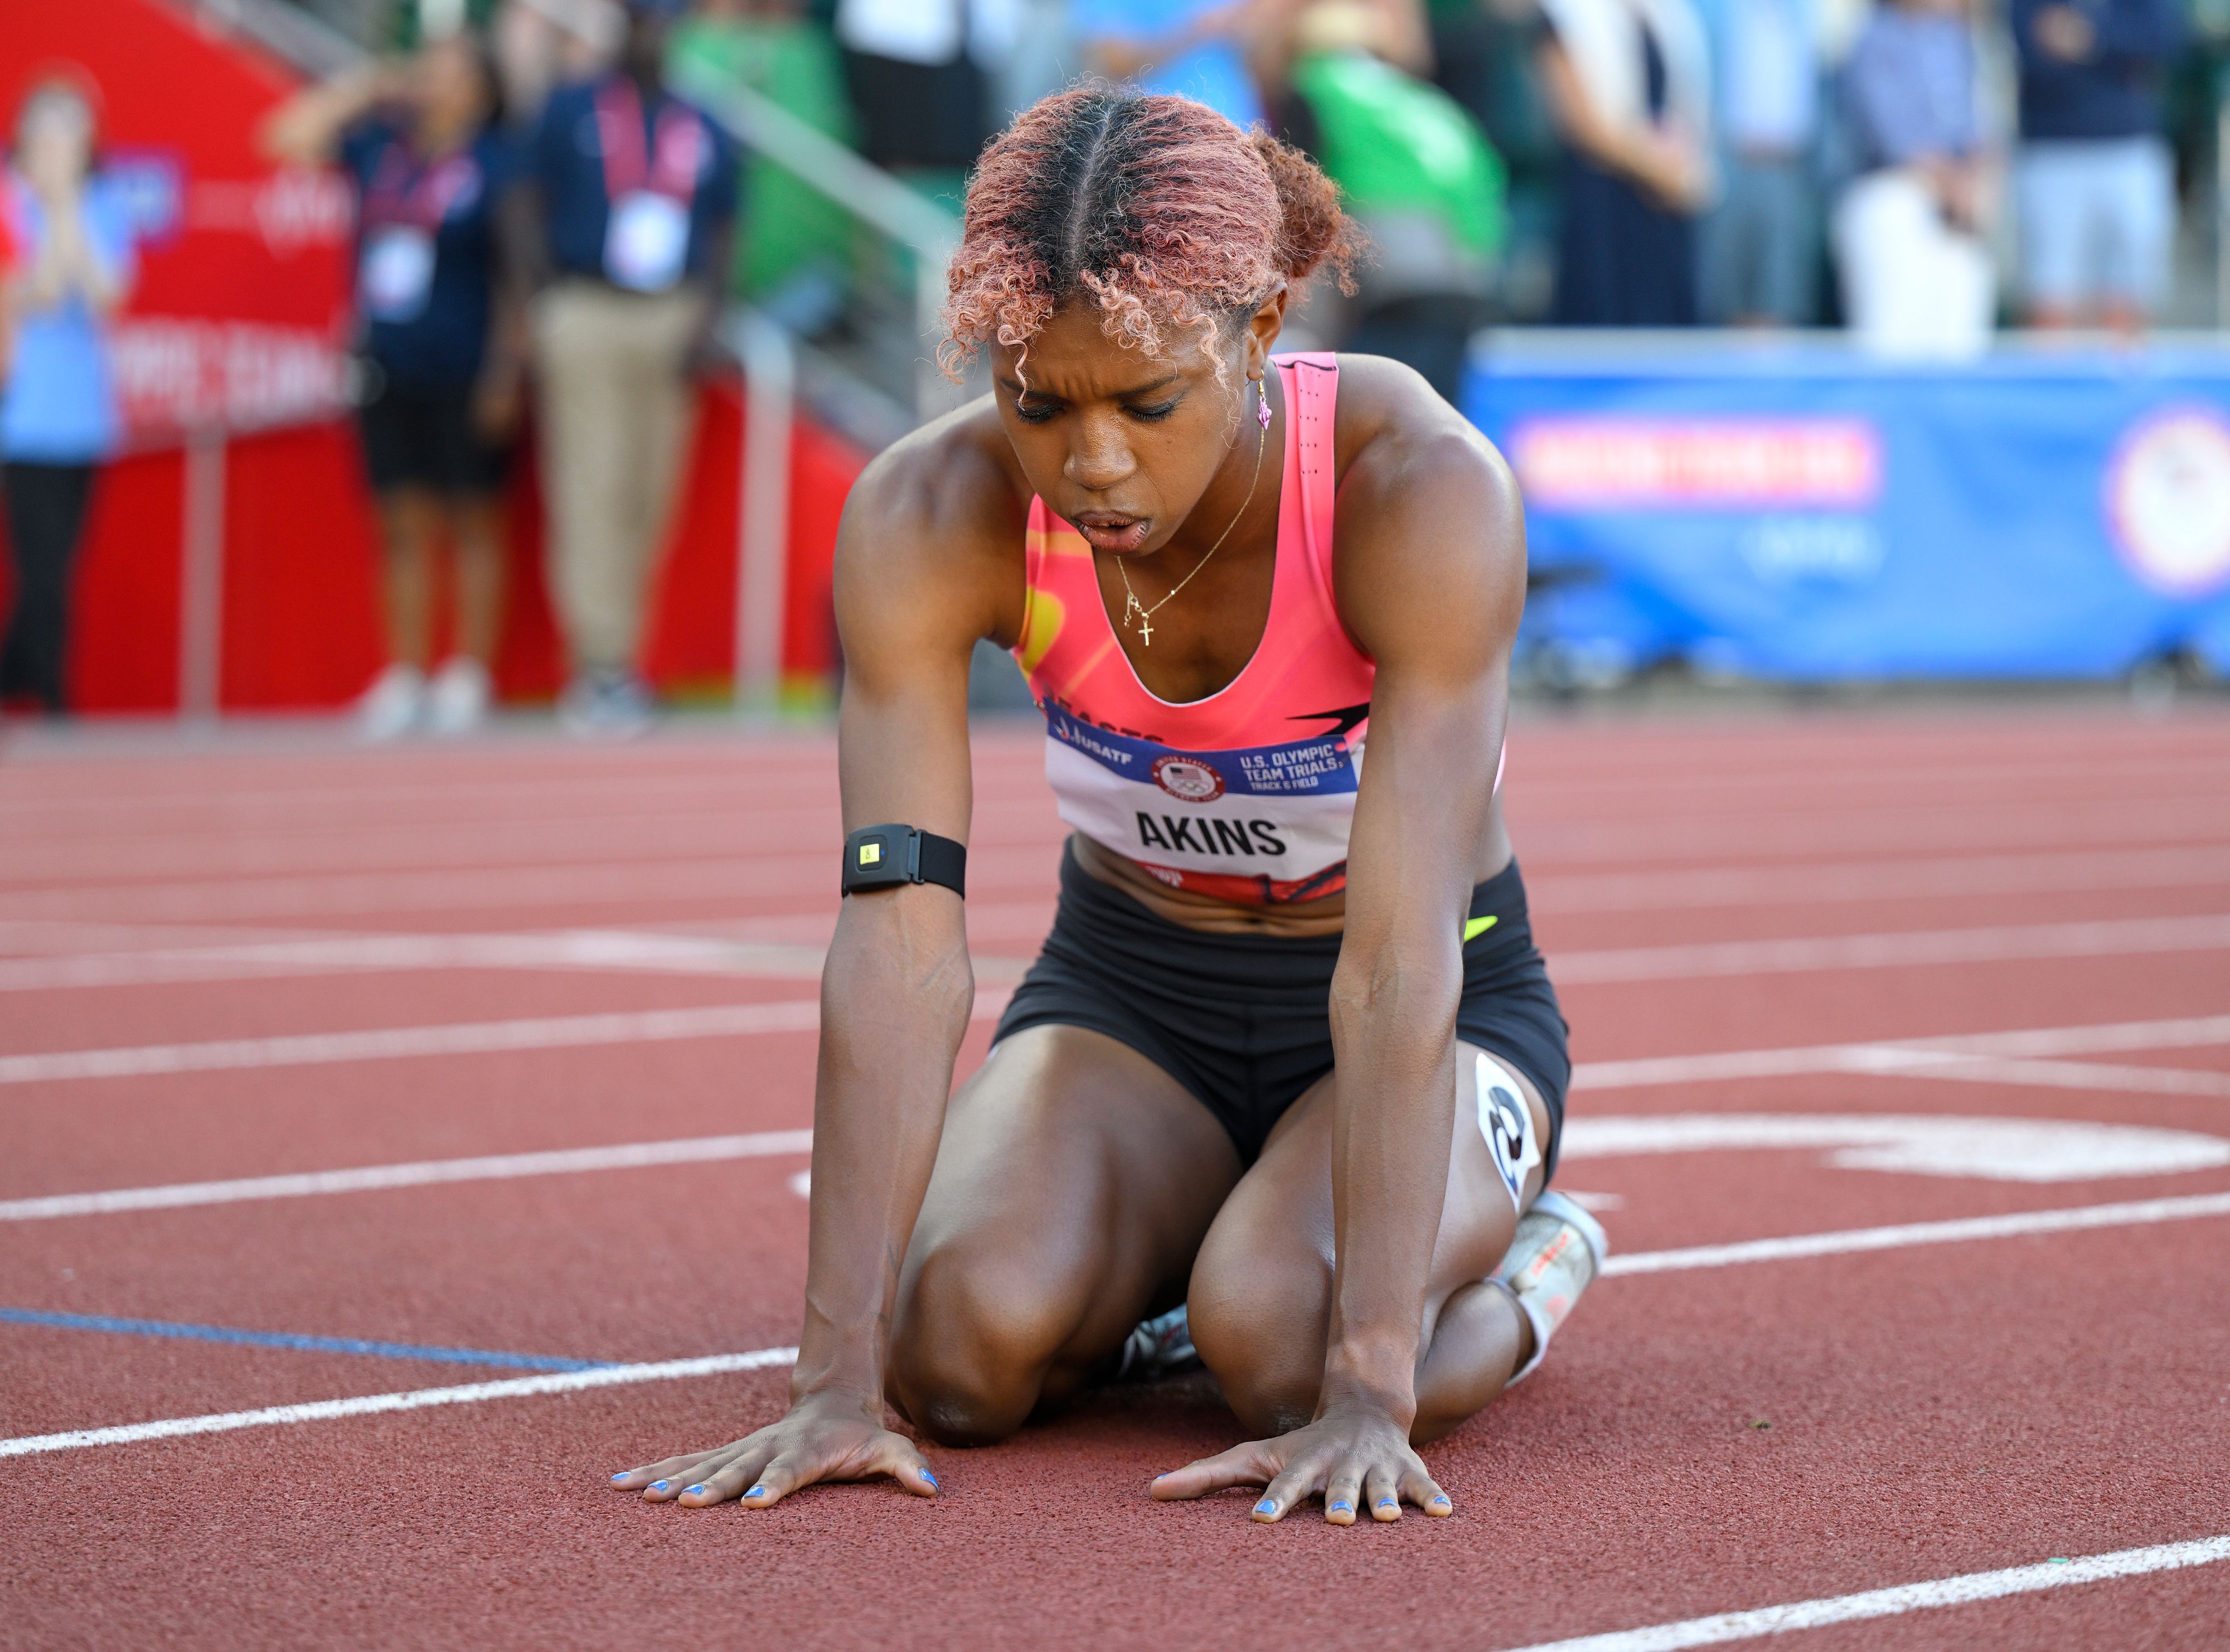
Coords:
291,1340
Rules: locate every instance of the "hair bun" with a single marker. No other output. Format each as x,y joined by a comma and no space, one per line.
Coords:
1312,230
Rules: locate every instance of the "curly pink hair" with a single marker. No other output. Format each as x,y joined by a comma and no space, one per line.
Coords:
1156,209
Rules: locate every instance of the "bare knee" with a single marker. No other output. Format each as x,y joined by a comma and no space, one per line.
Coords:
972,1345
1259,1320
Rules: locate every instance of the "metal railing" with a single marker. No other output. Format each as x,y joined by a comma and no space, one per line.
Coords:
925,235
921,230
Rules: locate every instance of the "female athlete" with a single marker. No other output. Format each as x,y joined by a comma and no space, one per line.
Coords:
1289,1070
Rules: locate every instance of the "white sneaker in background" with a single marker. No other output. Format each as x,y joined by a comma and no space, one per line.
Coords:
457,699
390,707
606,703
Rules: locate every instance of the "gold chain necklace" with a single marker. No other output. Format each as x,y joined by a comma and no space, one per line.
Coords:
1145,615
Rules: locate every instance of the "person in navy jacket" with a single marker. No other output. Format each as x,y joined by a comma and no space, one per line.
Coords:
2095,183
438,351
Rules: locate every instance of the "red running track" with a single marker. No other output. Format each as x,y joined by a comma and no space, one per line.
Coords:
1707,1438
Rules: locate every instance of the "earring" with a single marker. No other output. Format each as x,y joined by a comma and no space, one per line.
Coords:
1261,405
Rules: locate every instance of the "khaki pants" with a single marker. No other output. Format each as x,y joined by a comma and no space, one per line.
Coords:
615,411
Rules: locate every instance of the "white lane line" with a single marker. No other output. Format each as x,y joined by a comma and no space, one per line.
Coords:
563,949
381,1043
1639,1262
2080,1075
689,954
1920,1056
2107,938
1834,881
429,1172
1916,1057
1892,1602
2136,1212
696,880
416,1399
1933,1144
456,1038
2005,1149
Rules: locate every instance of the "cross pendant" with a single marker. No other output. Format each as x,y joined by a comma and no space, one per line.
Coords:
1145,630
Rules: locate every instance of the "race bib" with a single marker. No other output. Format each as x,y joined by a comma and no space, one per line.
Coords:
647,242
397,276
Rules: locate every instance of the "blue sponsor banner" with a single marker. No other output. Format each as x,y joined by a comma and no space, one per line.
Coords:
1799,512
1312,767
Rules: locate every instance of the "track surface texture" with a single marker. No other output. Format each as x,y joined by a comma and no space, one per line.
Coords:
457,1073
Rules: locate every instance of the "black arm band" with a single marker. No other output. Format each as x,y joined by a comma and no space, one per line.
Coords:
883,857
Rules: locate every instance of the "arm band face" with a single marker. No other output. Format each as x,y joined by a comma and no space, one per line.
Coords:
884,857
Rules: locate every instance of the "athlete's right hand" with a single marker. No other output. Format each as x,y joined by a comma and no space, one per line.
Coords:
824,1437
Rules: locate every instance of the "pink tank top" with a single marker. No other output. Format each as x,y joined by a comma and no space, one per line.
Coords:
1248,794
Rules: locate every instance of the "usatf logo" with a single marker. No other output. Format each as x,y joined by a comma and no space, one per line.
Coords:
1187,779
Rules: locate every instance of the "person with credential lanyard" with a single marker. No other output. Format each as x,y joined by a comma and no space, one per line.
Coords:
1284,1088
440,350
625,220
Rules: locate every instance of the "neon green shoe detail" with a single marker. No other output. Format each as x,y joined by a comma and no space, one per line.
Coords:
1475,927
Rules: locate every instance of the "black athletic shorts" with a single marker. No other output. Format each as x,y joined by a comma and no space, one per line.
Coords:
1244,1022
424,435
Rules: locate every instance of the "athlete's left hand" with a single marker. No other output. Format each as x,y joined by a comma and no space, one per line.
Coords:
1355,1460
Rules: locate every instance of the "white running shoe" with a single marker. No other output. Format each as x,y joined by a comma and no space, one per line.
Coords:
1156,1348
390,707
606,703
1555,1255
457,699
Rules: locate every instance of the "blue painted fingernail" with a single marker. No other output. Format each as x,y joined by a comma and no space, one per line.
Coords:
928,1477
1387,1502
1343,1506
619,1476
691,1490
1441,1502
1266,1507
658,1485
756,1491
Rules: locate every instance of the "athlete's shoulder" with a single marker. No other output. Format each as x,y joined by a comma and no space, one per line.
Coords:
1390,420
938,518
1429,533
946,484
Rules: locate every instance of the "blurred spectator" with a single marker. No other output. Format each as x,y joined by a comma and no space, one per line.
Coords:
920,94
7,283
1040,58
795,247
1761,239
1415,173
1484,54
539,44
1628,82
625,220
2094,179
439,355
1917,280
73,269
1198,49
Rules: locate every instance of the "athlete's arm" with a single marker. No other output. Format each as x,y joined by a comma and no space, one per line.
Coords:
1430,581
917,583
